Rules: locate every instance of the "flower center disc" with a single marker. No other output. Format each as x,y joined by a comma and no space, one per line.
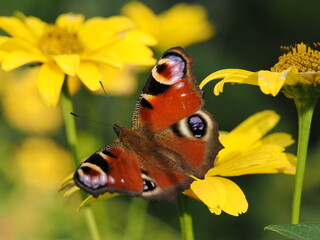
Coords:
60,41
302,56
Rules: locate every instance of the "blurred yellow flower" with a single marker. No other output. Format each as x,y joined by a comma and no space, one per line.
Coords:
182,25
22,105
73,48
247,151
297,74
118,82
42,163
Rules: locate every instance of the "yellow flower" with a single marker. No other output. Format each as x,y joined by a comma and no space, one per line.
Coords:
42,163
297,73
22,105
72,48
247,151
182,25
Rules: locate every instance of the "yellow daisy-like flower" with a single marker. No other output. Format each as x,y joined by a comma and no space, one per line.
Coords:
247,151
72,48
182,25
297,73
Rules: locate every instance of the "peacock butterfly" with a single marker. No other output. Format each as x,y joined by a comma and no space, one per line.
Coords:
172,137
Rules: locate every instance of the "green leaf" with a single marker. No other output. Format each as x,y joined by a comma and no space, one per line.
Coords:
301,231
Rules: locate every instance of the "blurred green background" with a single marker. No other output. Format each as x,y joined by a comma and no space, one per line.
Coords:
248,36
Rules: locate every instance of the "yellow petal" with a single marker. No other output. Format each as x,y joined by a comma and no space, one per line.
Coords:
219,194
90,199
210,192
236,202
270,82
249,131
268,158
103,56
67,182
16,28
140,36
17,59
132,52
3,39
17,44
292,76
70,21
69,63
73,84
50,81
90,75
143,16
282,139
98,32
230,75
37,26
71,191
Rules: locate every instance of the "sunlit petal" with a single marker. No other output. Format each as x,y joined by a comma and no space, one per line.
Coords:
50,81
242,163
73,84
104,56
210,191
35,25
281,139
69,63
17,44
272,82
90,75
90,199
139,36
70,21
219,194
236,202
98,32
16,28
16,59
232,76
131,52
249,131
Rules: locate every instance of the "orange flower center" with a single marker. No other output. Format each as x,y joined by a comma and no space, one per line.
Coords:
302,56
59,40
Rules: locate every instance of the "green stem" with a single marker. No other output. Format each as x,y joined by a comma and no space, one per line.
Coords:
136,219
185,218
305,108
70,125
71,133
91,222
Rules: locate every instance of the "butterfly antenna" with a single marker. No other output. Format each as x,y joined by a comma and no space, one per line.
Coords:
109,102
90,120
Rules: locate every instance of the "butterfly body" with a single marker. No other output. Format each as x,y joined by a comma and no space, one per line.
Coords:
172,137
